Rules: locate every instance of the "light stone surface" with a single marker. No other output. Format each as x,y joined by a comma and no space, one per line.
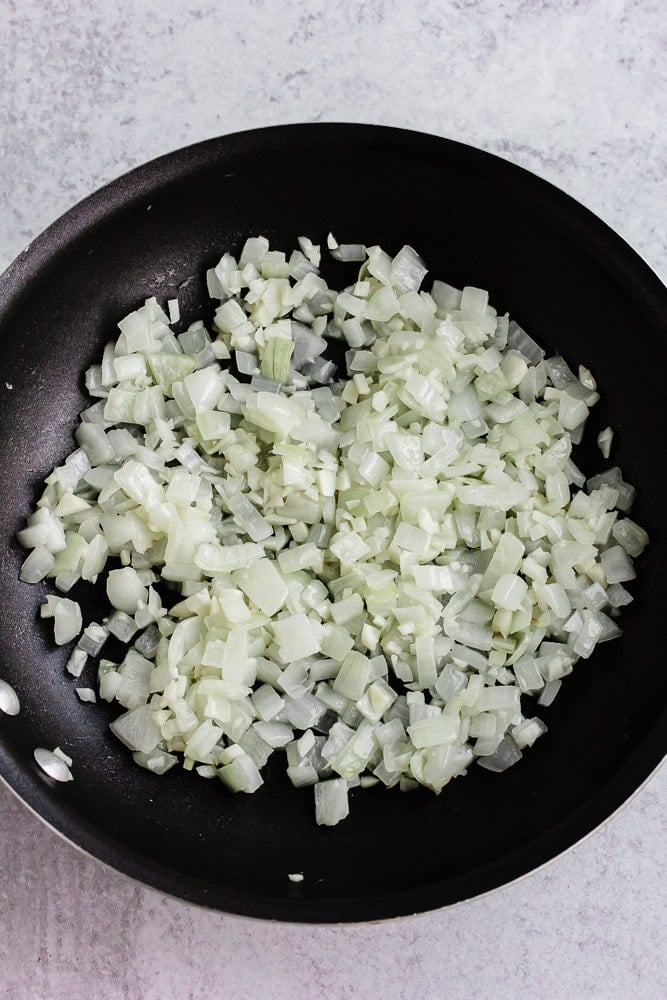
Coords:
572,89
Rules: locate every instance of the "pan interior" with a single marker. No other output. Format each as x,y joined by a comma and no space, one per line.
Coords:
575,286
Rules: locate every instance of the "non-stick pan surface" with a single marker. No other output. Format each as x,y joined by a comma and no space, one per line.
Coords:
577,288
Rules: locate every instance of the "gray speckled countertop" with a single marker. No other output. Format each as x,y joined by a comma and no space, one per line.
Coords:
572,89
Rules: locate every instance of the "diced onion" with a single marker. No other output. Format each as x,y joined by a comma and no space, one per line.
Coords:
369,571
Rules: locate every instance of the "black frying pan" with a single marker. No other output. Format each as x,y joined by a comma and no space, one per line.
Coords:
575,285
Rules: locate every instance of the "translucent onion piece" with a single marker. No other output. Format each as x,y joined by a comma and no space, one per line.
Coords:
52,765
9,700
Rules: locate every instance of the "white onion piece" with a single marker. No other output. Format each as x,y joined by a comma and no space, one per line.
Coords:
67,618
331,802
61,755
38,565
86,694
519,339
349,252
605,439
77,662
9,700
137,730
52,765
125,590
506,755
617,565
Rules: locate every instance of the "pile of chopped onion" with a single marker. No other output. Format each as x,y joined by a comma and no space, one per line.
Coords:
364,571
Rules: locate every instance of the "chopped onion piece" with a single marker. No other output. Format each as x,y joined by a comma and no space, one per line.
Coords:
67,619
241,775
39,564
630,536
525,734
331,803
605,439
617,565
77,661
518,339
506,755
92,639
86,694
136,729
549,693
52,765
349,252
9,700
125,590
